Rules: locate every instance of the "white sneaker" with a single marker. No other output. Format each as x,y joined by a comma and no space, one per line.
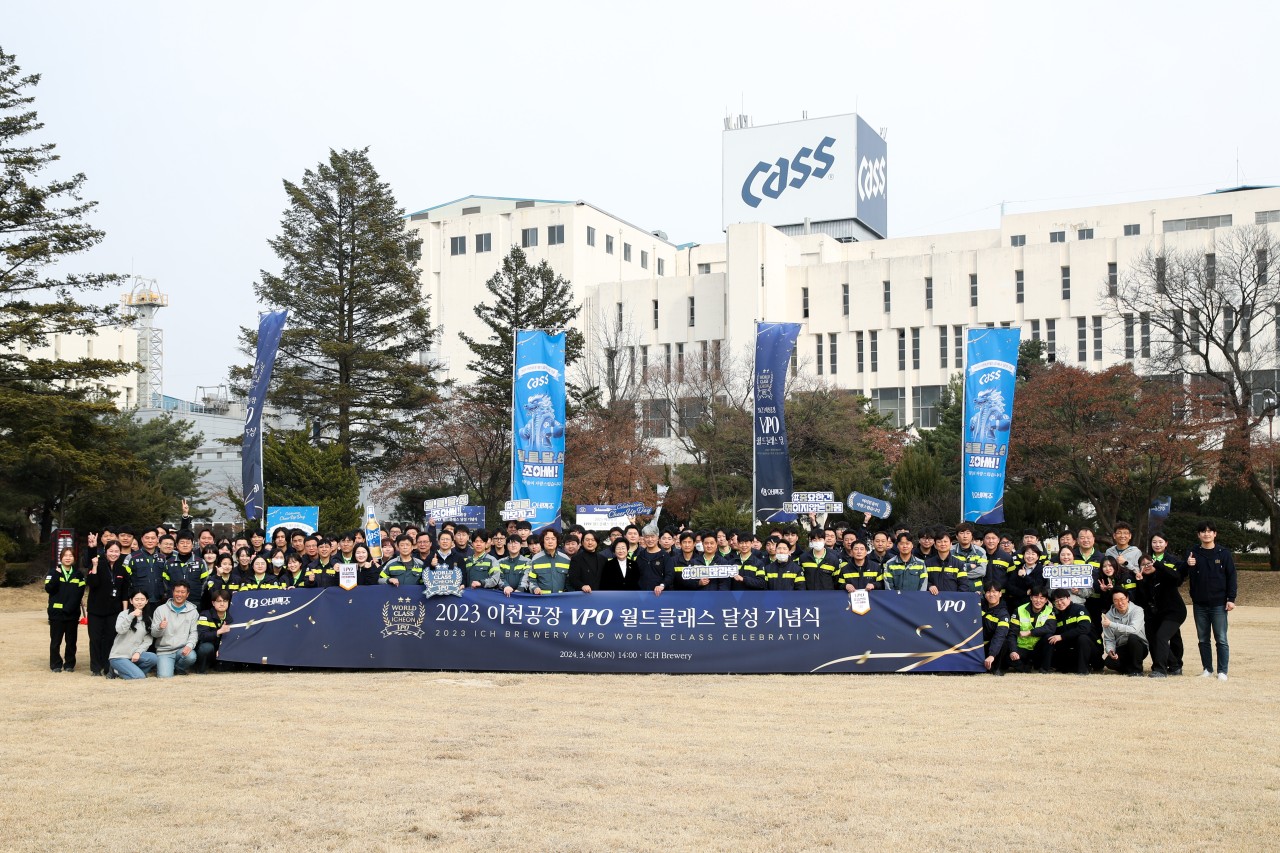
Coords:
1222,676
1206,674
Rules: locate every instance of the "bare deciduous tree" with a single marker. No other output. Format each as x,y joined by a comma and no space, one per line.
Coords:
1214,313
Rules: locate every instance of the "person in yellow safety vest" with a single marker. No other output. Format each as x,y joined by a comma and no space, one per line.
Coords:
1035,623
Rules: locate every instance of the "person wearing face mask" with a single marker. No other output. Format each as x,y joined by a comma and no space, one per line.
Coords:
819,565
290,574
782,573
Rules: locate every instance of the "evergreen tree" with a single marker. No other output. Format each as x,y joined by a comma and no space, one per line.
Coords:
297,473
350,356
524,297
49,406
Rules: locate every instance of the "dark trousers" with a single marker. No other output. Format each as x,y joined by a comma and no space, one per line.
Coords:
102,633
206,654
1001,663
1040,658
1072,655
1129,656
60,631
1166,642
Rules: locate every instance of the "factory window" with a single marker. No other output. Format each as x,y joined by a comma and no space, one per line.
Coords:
704,269
626,252
591,236
484,243
1019,286
662,266
1197,223
555,235
457,245
1018,240
528,238
644,259
1057,236
1132,230
1084,233
608,244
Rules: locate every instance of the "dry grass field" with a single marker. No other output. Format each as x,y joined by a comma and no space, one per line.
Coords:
466,761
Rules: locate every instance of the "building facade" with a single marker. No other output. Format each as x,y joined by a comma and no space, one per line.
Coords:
885,318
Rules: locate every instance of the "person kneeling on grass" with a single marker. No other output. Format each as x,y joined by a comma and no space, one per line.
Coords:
996,634
174,625
1073,641
131,656
212,625
1124,635
1034,623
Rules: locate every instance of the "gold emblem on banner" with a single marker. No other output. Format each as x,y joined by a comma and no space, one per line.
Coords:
403,618
860,602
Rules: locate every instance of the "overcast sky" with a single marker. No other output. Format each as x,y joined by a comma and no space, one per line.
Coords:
186,117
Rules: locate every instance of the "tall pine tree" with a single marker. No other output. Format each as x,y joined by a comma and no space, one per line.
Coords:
49,406
349,358
524,297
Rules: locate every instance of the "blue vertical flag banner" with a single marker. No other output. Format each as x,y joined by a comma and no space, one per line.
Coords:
270,326
774,343
537,425
989,380
1158,514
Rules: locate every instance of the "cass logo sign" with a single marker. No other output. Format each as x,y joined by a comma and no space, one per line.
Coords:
871,178
771,181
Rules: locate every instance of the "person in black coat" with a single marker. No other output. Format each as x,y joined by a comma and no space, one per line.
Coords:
1160,585
619,572
585,565
108,590
65,585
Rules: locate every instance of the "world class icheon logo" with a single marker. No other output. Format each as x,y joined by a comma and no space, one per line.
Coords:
788,172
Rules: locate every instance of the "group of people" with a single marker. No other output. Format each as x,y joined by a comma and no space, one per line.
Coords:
158,601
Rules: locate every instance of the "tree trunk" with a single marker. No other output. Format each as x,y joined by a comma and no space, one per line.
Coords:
1263,494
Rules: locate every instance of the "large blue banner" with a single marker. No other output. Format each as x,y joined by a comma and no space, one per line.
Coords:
381,627
537,425
774,342
989,380
270,326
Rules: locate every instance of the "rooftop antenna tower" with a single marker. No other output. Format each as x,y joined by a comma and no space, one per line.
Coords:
143,301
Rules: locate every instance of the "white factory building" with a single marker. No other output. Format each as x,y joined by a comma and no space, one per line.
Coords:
882,317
